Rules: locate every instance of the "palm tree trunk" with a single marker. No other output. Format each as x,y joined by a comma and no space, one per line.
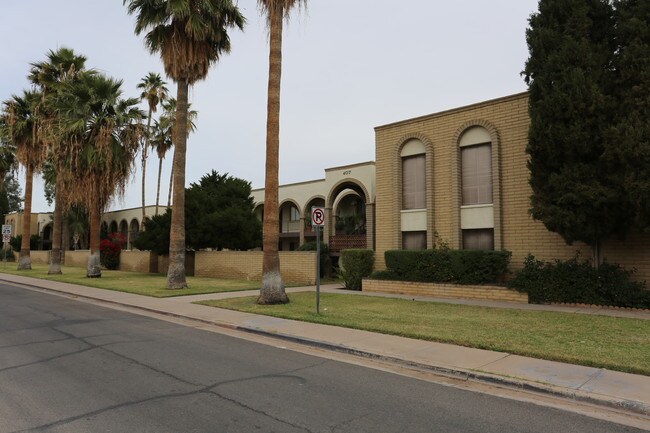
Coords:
55,254
94,269
160,161
171,181
144,166
65,238
24,261
176,270
272,289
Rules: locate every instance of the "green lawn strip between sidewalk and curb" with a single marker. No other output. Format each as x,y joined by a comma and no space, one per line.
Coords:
598,341
133,282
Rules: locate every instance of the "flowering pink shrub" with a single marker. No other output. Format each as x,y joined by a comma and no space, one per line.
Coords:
110,249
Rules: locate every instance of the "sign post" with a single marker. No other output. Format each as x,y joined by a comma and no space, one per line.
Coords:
6,237
317,221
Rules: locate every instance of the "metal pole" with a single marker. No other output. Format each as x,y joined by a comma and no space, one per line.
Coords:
317,269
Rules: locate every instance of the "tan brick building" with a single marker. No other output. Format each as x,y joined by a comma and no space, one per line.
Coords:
460,177
457,177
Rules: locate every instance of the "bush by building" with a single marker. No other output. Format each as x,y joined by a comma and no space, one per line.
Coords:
16,241
357,264
576,281
445,266
110,250
325,262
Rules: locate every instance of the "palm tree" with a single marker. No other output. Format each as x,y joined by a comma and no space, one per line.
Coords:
8,161
154,91
161,142
190,36
62,66
167,120
272,289
20,114
104,133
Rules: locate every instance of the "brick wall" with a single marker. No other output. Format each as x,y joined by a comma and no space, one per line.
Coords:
40,257
77,258
297,267
163,264
434,290
507,120
138,261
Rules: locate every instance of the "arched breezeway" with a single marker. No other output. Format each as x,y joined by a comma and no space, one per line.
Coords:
349,210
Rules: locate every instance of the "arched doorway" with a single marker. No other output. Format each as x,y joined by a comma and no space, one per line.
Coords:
124,230
290,224
47,237
134,230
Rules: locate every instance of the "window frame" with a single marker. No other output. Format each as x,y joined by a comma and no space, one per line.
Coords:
419,197
480,177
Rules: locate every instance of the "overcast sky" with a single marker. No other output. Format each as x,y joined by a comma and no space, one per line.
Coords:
348,66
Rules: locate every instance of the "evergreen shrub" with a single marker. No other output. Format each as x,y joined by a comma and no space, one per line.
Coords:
577,281
357,264
446,266
16,241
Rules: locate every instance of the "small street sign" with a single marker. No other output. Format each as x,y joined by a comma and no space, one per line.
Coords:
317,221
6,229
317,216
6,237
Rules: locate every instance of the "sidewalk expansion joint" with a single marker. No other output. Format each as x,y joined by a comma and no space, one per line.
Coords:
505,355
596,375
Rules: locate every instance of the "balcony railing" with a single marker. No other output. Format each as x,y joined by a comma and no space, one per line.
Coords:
344,242
290,226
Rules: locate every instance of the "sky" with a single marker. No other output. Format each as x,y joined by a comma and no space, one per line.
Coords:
348,66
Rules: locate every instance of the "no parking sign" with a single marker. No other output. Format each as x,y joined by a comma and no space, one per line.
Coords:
318,221
317,216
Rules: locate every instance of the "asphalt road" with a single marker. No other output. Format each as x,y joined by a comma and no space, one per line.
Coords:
68,366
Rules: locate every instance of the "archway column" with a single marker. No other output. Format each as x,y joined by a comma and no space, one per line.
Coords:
302,231
370,226
327,230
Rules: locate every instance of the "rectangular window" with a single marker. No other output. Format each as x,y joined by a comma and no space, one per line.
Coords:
295,215
414,240
413,182
480,239
476,176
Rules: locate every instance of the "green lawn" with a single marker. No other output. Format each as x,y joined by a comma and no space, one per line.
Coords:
133,282
598,341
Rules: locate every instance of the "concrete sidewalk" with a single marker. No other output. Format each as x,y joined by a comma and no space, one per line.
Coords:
624,391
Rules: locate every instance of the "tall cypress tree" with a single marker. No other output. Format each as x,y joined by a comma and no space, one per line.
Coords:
630,137
571,44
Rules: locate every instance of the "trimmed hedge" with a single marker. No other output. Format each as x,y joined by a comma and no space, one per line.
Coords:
357,264
445,266
575,281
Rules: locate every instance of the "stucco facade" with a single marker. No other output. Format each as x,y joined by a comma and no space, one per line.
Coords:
346,192
125,221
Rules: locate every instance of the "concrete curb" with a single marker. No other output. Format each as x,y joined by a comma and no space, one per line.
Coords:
474,375
632,406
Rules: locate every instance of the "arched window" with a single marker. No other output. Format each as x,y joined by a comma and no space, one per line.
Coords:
414,187
414,195
476,166
477,211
